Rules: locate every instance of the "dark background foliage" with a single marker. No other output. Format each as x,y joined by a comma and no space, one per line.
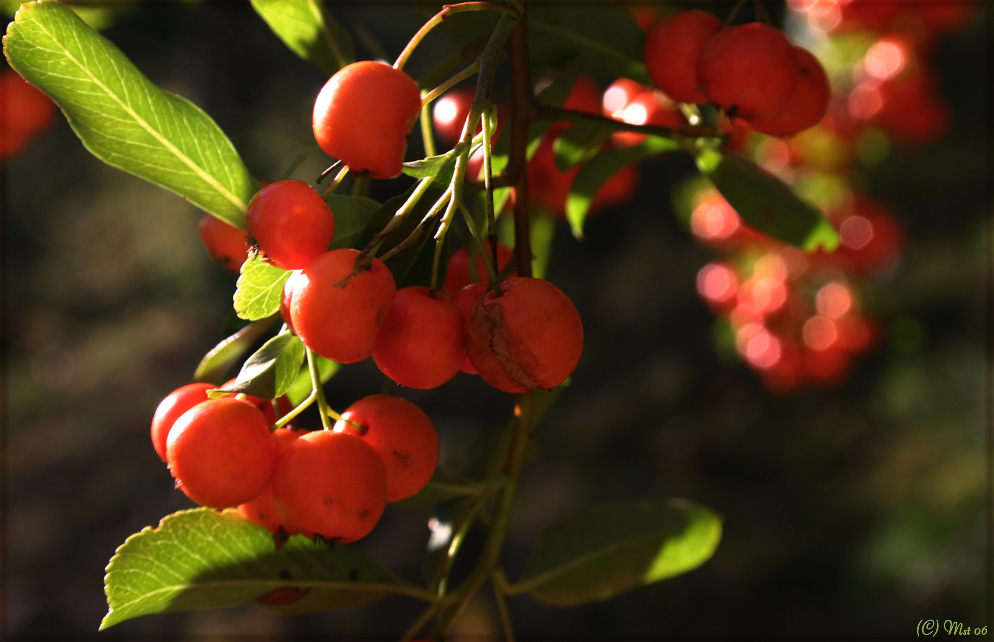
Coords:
855,510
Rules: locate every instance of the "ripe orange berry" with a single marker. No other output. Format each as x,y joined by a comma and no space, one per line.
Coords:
291,222
224,242
401,434
262,509
171,408
330,484
748,70
527,337
336,307
363,116
221,453
807,103
672,48
420,344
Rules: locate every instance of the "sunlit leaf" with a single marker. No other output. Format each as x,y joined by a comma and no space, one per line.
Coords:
301,387
611,548
203,559
269,372
766,203
259,290
124,119
309,30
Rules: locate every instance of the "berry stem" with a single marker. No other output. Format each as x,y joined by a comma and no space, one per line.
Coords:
505,616
548,112
338,179
317,390
489,116
521,107
488,562
333,414
439,18
427,135
480,245
449,84
303,405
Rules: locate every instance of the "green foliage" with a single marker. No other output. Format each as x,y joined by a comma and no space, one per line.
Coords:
217,362
301,387
355,219
259,290
309,30
271,371
607,549
607,41
600,168
202,559
767,203
124,119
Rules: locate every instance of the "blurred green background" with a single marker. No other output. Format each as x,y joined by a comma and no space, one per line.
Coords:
852,511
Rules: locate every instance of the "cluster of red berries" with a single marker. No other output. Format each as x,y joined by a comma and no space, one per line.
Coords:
795,318
752,71
333,483
26,113
522,335
518,333
893,86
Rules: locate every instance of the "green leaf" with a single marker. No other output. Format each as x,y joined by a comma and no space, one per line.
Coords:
607,40
269,372
355,220
203,559
599,169
124,119
224,355
430,166
616,547
766,203
301,387
309,30
581,142
259,290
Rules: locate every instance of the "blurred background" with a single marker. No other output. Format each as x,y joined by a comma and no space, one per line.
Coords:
856,502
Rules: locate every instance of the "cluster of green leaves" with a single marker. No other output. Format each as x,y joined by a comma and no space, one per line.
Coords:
203,559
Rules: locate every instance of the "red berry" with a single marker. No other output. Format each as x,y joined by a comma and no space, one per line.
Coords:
337,306
748,70
527,337
25,111
672,50
262,509
224,242
402,436
363,116
291,223
221,453
420,342
464,298
330,484
171,408
269,407
286,299
807,103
